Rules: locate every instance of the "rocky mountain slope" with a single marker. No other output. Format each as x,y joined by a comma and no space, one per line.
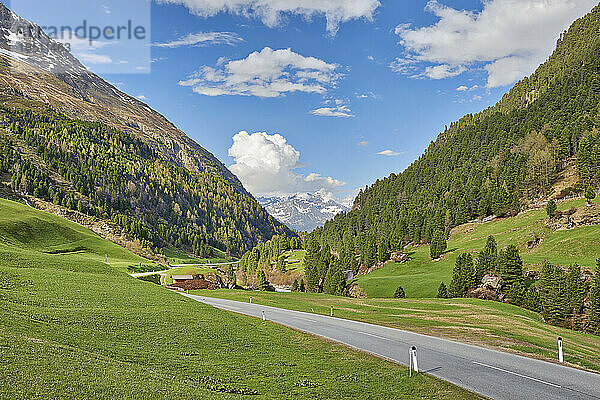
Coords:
70,139
303,211
42,69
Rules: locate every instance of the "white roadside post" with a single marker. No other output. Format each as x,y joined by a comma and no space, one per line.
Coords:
560,350
413,364
263,316
250,300
331,313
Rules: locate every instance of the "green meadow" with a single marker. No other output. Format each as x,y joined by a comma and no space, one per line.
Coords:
74,326
421,276
485,323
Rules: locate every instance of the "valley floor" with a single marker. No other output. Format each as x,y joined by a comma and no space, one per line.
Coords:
73,326
480,322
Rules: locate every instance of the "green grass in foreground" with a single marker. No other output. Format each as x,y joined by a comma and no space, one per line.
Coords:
81,329
480,322
421,277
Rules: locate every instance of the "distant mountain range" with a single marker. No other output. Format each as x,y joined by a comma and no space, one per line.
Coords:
303,211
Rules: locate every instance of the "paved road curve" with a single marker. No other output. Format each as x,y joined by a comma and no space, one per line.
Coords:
488,372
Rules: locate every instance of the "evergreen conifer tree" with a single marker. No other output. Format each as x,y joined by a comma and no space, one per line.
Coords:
551,209
399,294
442,291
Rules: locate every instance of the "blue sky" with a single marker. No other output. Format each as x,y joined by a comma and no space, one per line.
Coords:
375,81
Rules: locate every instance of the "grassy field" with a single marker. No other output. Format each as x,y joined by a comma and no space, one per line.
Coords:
176,257
29,238
480,322
421,277
295,260
72,326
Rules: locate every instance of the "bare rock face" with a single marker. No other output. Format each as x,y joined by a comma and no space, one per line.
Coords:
490,282
483,294
399,257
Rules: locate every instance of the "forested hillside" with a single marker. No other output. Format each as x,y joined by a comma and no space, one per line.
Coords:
109,174
492,163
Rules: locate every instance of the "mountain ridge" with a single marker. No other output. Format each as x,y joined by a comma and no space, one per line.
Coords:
303,211
73,140
79,93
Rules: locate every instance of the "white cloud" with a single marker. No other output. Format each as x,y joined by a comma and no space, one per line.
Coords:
363,143
141,97
389,153
338,111
268,73
509,37
462,89
89,52
367,95
265,164
271,12
203,39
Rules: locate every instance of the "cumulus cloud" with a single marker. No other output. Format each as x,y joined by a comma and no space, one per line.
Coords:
338,112
363,143
272,12
268,73
266,166
389,153
462,88
510,38
203,39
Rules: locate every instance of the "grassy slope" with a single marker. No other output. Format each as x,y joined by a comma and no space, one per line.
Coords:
74,327
177,257
29,237
421,277
480,322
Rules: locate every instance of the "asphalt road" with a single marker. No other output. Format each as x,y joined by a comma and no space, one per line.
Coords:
491,373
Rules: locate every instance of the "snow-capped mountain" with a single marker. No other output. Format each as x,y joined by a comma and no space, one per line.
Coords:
303,211
25,41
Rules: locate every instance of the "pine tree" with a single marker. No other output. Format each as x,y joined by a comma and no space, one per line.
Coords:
382,251
553,293
594,311
463,276
590,194
399,294
442,291
231,279
261,278
532,299
295,285
302,287
576,290
551,209
438,244
281,264
487,260
517,292
511,266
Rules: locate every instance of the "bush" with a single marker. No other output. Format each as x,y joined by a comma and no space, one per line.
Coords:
399,293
